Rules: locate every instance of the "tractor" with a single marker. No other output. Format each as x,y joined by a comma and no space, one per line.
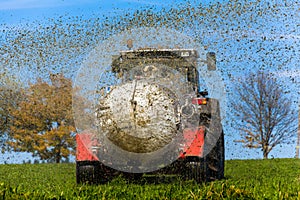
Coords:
157,102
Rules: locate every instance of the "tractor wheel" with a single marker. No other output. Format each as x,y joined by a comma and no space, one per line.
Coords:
214,161
193,171
93,172
132,176
85,173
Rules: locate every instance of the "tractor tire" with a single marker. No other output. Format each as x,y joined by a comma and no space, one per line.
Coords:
85,174
93,172
132,177
194,171
214,161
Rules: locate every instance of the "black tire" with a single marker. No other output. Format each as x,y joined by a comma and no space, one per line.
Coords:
93,172
214,154
85,173
194,170
208,169
215,161
132,177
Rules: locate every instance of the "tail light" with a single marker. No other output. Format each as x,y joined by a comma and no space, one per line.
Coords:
199,101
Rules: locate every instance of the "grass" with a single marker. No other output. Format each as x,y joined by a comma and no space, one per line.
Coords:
245,179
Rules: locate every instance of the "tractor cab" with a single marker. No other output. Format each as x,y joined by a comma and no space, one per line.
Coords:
154,63
148,63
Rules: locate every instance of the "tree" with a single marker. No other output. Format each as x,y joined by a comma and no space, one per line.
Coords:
10,96
265,116
43,122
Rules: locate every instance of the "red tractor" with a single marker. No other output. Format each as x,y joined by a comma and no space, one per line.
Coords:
156,103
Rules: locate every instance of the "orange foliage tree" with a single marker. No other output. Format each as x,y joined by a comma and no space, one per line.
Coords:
43,122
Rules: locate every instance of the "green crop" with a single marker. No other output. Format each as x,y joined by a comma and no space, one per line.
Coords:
245,179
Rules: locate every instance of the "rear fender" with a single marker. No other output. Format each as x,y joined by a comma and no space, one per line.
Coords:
85,144
194,143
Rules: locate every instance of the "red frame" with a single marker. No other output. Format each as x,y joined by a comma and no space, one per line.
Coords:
194,141
84,147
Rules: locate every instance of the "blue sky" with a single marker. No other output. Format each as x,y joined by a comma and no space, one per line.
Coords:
232,41
16,11
29,4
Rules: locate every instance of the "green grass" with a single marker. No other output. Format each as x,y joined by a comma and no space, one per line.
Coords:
245,179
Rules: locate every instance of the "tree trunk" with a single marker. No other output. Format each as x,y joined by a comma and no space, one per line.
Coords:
57,160
266,152
58,156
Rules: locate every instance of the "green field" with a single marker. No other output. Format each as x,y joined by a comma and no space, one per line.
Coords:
245,179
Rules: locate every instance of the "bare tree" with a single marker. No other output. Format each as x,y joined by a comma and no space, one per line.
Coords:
265,115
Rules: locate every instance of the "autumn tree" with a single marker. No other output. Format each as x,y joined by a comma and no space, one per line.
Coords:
264,114
43,122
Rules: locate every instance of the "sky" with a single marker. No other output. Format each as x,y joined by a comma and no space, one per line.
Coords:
231,44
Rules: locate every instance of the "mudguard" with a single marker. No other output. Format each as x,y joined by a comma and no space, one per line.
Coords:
194,143
84,147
